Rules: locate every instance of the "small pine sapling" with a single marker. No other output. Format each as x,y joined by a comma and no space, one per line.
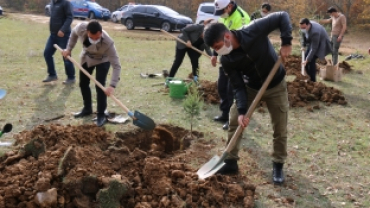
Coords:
192,104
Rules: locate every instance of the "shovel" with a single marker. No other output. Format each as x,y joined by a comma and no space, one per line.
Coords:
138,118
303,70
216,163
2,93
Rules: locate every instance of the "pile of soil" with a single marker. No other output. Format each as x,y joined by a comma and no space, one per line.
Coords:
301,92
86,167
346,67
209,91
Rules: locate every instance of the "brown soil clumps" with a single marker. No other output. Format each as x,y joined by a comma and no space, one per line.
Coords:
209,92
87,167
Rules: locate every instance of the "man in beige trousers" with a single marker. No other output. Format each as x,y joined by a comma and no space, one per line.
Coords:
98,52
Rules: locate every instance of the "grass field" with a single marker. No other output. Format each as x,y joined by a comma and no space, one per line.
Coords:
329,149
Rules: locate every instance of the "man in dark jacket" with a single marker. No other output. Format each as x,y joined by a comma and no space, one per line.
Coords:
318,44
193,36
249,53
61,18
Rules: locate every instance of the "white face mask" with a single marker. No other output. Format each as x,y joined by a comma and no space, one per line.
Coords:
94,41
263,14
224,50
225,15
303,30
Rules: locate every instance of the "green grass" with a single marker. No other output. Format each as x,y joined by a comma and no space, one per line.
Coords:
328,163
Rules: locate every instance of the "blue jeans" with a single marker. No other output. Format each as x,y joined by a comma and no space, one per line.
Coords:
49,52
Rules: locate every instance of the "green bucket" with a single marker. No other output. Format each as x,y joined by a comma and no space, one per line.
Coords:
178,88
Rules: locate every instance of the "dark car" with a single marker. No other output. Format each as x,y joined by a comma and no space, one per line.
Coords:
154,16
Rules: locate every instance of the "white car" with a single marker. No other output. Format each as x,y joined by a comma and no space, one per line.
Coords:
1,11
205,11
116,15
47,9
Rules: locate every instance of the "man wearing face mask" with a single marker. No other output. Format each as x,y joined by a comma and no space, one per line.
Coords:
265,10
233,17
98,51
339,26
250,53
314,36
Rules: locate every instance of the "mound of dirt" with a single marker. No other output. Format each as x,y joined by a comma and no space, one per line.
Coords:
87,167
209,92
301,92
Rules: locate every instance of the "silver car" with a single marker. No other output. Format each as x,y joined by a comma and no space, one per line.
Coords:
117,15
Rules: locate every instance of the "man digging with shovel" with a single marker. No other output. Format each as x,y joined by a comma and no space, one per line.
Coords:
249,52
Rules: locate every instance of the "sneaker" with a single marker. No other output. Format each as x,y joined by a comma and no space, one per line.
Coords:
69,81
50,79
195,78
277,173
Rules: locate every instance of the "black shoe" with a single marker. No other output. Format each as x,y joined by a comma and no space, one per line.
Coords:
101,120
230,167
225,126
277,173
221,118
50,79
83,112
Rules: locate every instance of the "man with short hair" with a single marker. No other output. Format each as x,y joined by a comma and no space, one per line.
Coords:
339,25
249,53
233,17
98,51
61,17
263,12
315,37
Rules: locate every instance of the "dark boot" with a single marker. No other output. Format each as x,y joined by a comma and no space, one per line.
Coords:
221,118
84,112
277,173
101,120
230,167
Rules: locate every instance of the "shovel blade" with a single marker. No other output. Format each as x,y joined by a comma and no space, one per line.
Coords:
211,167
143,121
2,93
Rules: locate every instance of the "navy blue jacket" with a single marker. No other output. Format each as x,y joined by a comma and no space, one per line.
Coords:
61,16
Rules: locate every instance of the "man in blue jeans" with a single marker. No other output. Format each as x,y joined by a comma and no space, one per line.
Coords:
61,18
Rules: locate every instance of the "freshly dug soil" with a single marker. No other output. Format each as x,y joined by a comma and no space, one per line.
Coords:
86,167
209,92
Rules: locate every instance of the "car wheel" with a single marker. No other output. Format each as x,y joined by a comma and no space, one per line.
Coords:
166,26
130,24
114,19
147,28
91,15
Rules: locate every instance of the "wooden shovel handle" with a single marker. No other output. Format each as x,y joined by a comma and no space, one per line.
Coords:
183,42
255,102
96,82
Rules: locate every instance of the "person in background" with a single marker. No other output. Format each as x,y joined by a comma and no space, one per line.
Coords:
61,17
98,51
338,28
193,36
249,52
263,12
233,17
316,39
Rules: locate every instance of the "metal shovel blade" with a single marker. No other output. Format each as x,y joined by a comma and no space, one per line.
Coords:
211,167
5,144
2,93
143,121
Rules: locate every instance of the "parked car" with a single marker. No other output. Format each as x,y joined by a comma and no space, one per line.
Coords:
89,9
205,11
117,15
154,16
1,10
47,9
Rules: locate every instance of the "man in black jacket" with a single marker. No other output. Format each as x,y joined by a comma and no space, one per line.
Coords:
61,18
249,53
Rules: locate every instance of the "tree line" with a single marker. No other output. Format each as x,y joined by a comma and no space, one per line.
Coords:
356,11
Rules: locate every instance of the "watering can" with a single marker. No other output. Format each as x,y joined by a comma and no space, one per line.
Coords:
178,88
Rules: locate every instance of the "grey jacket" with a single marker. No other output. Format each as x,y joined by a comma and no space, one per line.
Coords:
193,33
102,52
61,16
318,40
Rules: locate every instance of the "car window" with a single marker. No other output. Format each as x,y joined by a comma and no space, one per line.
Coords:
167,10
207,9
139,9
124,8
151,10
